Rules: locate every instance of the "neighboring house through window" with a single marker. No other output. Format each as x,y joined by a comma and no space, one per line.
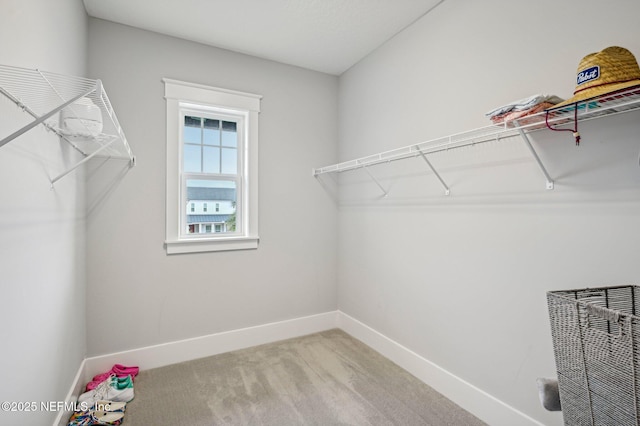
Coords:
212,144
199,222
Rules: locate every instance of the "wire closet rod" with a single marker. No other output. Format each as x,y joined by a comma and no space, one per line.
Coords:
77,109
612,104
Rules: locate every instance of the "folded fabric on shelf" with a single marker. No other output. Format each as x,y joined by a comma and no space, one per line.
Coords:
520,115
524,104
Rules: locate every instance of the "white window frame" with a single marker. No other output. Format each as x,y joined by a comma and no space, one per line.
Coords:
201,111
177,94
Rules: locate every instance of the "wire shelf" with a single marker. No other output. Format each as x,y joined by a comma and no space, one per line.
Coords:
77,109
615,103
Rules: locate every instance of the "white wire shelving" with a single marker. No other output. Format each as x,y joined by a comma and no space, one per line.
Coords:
563,117
76,109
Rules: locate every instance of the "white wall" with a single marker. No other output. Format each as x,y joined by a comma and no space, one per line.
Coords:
42,231
461,280
154,298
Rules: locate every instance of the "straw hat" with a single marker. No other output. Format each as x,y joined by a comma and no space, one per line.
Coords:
610,70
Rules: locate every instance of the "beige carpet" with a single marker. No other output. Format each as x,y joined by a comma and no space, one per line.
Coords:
326,378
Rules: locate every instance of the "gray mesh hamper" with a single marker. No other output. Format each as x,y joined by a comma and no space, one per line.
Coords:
596,343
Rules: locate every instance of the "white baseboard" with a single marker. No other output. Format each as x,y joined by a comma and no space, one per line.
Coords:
79,382
481,404
476,401
213,344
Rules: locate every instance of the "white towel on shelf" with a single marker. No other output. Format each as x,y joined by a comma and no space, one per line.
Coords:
523,104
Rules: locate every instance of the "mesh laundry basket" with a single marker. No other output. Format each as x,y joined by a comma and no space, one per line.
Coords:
596,342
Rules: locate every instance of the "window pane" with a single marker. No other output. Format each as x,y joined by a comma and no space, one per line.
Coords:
192,134
211,160
211,132
220,192
210,123
229,134
192,160
229,125
229,160
192,121
211,137
229,139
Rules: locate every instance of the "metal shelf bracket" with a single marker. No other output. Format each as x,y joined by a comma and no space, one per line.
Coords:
426,160
81,162
527,142
376,181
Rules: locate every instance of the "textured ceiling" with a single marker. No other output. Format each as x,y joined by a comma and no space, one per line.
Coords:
323,35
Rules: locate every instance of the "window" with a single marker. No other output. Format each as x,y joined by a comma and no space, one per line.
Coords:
212,152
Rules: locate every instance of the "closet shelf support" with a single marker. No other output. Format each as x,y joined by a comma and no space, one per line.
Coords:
527,142
426,160
84,160
43,117
385,192
29,111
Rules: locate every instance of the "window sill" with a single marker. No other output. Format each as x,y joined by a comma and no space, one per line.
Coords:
206,245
